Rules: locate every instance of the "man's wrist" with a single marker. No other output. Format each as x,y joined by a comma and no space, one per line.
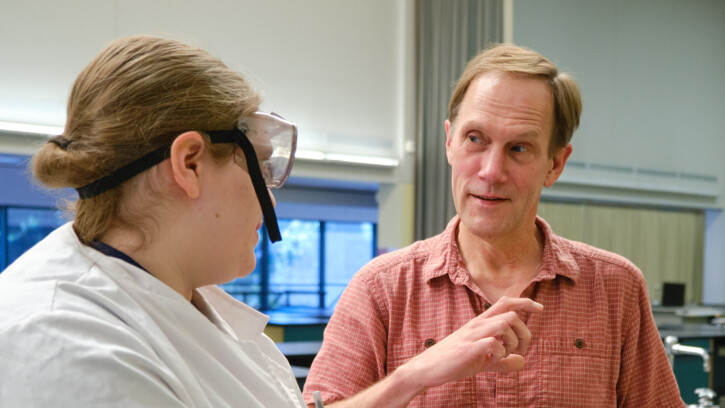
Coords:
406,381
395,391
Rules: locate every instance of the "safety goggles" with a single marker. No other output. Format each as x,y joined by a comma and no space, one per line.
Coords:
267,143
274,140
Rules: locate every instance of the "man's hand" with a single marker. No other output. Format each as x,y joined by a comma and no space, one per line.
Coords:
494,341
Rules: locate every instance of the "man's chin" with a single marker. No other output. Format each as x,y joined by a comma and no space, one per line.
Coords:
484,227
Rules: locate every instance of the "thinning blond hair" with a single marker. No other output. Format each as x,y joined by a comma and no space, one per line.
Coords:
136,96
516,60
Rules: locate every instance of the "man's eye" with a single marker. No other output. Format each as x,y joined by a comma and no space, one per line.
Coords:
520,149
474,139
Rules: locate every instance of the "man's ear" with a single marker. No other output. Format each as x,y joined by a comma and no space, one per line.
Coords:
186,156
558,163
449,129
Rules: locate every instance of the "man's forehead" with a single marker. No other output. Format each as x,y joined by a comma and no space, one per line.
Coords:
508,94
497,82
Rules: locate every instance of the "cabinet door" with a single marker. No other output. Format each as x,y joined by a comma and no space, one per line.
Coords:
689,371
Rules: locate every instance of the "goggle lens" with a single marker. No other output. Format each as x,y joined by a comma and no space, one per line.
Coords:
275,141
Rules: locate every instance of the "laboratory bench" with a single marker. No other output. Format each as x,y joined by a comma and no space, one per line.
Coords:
690,325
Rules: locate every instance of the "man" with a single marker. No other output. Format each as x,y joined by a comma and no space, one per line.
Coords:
594,344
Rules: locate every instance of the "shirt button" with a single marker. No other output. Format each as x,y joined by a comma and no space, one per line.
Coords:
486,305
579,343
429,343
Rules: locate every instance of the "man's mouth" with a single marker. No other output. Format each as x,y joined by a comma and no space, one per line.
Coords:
488,198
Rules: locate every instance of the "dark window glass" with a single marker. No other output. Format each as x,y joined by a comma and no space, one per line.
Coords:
290,273
294,265
27,226
3,240
348,246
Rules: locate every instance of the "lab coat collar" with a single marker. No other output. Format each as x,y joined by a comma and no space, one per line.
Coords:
244,321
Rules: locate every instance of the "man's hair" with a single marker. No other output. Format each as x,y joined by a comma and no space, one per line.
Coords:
134,97
516,60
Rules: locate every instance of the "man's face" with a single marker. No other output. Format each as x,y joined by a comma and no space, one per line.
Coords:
498,152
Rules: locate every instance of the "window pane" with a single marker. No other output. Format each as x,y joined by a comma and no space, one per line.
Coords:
348,246
3,251
28,226
294,265
249,288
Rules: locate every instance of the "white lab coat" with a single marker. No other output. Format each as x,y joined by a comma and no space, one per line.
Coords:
82,329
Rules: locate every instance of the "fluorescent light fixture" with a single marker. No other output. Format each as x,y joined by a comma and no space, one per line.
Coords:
30,128
315,155
309,155
353,158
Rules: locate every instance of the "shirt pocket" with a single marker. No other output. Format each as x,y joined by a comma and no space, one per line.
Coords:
576,372
461,393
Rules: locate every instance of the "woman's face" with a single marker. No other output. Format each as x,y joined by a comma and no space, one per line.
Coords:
231,218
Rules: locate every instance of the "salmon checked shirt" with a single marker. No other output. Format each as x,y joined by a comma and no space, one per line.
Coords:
594,345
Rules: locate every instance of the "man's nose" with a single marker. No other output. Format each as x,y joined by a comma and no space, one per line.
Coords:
493,166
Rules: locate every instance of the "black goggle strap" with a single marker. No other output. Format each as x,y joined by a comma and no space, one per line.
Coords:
116,178
255,172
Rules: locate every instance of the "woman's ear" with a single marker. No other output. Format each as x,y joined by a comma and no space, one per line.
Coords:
186,156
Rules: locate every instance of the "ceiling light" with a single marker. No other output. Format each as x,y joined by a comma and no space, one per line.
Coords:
30,128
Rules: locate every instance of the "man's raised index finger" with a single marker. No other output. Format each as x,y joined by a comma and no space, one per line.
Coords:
506,304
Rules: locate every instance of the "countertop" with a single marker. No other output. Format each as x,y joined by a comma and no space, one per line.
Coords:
691,330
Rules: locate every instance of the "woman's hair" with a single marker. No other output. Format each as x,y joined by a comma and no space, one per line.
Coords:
512,59
136,96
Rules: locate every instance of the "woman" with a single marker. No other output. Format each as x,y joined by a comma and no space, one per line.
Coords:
172,162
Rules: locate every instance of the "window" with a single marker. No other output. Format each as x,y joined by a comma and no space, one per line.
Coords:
348,246
24,227
293,266
309,268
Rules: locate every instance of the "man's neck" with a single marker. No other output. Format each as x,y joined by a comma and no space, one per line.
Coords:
503,266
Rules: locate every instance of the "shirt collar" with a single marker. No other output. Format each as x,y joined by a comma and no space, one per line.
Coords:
449,257
556,260
108,250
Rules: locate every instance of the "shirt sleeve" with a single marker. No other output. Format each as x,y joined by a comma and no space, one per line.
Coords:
70,359
646,378
353,354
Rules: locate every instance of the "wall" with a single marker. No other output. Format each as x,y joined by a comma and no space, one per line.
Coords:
341,69
659,242
653,125
331,66
654,95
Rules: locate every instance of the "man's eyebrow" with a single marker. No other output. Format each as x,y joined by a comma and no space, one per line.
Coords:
527,135
472,125
467,126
